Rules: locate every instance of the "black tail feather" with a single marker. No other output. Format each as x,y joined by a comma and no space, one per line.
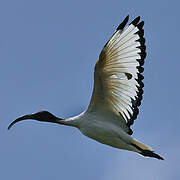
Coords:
148,153
151,154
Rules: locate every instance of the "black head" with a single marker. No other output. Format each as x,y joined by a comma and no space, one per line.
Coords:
44,116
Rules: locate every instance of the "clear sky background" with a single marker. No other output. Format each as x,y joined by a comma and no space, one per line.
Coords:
48,50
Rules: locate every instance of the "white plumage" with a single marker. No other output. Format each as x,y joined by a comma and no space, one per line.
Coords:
117,92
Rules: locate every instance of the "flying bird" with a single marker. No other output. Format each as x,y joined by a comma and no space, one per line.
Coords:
117,92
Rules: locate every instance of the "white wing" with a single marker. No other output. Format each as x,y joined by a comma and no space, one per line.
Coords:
117,77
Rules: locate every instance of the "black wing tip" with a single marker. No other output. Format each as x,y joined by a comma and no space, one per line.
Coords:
135,21
130,132
140,69
140,25
137,102
123,24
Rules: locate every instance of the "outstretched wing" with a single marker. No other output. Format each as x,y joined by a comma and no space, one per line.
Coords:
117,77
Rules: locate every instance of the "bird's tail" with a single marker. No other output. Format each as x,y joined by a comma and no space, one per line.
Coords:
145,150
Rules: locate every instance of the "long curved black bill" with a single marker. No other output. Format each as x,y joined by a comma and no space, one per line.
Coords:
19,119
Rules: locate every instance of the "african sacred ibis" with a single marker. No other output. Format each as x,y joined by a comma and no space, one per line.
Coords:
116,95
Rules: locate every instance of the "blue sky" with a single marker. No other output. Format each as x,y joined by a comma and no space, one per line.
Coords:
48,51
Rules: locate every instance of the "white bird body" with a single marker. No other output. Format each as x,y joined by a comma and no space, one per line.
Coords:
99,126
117,92
104,127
